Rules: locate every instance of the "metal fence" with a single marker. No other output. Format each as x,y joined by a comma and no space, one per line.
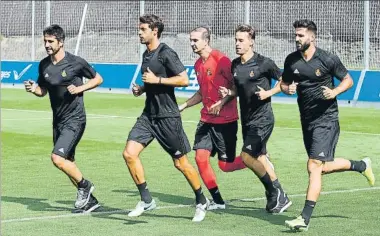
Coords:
350,29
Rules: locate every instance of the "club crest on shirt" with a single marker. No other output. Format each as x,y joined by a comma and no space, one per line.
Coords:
317,72
63,73
251,74
209,72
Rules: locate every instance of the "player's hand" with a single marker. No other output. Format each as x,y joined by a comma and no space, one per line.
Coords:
292,88
137,90
262,93
328,93
223,91
30,86
215,108
182,107
74,89
149,77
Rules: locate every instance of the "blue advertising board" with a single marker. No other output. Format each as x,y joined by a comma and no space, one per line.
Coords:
120,76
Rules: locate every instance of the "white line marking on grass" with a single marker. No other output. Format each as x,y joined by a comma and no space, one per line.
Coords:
170,207
99,116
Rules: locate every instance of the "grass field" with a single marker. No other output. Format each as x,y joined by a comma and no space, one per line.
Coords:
37,199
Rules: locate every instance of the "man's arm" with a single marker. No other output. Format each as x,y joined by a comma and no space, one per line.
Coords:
225,92
85,70
276,89
194,100
287,84
92,83
274,73
172,62
341,73
346,83
180,80
32,87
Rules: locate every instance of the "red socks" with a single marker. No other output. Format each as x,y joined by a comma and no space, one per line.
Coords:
202,157
238,164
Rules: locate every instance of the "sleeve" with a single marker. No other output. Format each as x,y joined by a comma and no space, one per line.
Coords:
173,63
226,70
41,79
85,69
274,71
287,74
337,68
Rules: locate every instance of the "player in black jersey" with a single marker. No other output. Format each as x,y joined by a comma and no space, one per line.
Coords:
162,71
60,74
253,74
309,72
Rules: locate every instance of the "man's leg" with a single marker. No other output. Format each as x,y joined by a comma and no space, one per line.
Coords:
171,136
66,138
237,164
363,166
139,137
259,169
224,138
254,156
202,158
183,165
203,145
320,142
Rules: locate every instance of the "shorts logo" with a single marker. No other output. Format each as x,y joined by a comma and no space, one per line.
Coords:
317,72
251,74
61,150
177,153
235,74
224,156
209,72
63,73
249,147
46,75
296,71
322,154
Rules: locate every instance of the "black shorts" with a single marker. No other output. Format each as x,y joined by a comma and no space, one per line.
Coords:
321,139
255,139
66,138
217,138
168,132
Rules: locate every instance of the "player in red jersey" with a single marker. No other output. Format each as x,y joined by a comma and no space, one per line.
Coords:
217,129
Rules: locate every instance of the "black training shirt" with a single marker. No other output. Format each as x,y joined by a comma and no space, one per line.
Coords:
257,71
311,75
160,99
56,78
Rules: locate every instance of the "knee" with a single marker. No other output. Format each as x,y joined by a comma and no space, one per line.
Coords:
314,166
178,166
326,169
225,167
182,164
201,160
58,161
128,157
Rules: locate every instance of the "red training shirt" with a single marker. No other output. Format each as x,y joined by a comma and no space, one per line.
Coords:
213,73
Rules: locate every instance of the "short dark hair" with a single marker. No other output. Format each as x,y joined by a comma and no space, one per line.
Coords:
206,32
55,30
154,22
308,24
246,28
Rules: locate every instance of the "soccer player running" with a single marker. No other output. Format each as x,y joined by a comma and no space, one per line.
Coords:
60,74
309,72
253,74
162,71
217,129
